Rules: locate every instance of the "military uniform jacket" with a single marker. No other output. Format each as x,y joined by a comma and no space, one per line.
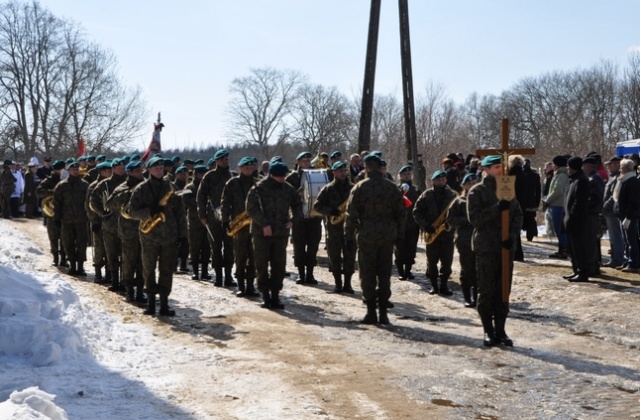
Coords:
459,222
68,200
431,204
576,203
331,196
210,191
117,202
150,192
376,210
92,175
269,203
93,216
295,179
484,215
412,194
98,197
191,204
46,187
234,196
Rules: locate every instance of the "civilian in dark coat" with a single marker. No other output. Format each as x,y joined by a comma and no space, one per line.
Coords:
576,221
627,207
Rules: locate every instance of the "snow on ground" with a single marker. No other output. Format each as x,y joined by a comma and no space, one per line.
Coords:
61,359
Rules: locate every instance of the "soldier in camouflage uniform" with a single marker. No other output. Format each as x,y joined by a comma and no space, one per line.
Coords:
70,214
103,170
331,197
377,215
93,173
199,249
209,197
180,182
234,198
405,250
430,206
45,189
109,220
149,199
132,277
459,222
306,234
268,205
484,211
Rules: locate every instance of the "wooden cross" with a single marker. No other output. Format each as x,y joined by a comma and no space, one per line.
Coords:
505,151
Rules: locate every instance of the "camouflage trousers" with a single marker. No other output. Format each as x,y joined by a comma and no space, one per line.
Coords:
74,239
199,248
306,235
468,277
375,259
342,259
221,245
99,253
405,250
270,253
243,253
113,249
489,271
55,242
163,255
131,262
440,250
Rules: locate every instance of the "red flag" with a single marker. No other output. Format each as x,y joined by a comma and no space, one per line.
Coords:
81,147
154,146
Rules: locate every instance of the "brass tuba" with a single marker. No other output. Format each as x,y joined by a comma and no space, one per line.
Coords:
47,206
148,224
440,225
238,223
342,208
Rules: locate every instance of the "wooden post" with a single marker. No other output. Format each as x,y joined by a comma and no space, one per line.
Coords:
364,134
407,84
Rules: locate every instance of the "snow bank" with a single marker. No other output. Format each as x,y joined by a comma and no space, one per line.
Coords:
32,403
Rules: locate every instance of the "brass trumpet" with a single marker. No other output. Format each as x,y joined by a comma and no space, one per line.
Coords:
149,223
47,206
238,223
342,208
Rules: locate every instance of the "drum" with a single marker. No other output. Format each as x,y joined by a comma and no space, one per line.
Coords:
312,182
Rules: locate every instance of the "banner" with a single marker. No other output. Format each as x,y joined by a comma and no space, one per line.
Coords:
81,147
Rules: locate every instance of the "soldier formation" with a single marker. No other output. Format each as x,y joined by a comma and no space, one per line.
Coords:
144,221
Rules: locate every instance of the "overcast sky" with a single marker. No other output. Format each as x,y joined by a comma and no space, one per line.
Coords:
184,54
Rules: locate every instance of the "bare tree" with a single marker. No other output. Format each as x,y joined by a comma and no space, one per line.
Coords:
260,104
630,98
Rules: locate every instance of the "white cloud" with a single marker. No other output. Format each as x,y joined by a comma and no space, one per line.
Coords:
634,48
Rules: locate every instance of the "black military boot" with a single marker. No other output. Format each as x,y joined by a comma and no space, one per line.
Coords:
337,278
115,281
228,278
72,271
107,276
218,282
151,305
434,286
56,259
301,276
383,319
251,290
401,274
140,298
266,299
489,334
80,269
561,254
196,274
276,303
347,284
183,266
63,259
97,278
501,335
165,310
310,278
371,317
444,288
241,288
204,275
408,273
131,294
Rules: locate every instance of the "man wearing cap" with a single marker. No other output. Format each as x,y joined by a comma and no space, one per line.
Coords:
596,195
614,228
180,182
451,172
103,171
82,161
8,187
98,204
430,213
405,249
577,222
155,199
555,201
234,198
45,189
627,207
485,210
274,207
199,248
92,174
69,213
331,202
355,167
375,219
209,197
307,232
459,222
46,169
334,157
131,256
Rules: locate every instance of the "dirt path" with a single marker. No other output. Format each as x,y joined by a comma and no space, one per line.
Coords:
575,355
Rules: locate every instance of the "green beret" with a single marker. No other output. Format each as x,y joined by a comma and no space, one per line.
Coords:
245,161
383,162
155,161
135,156
181,169
491,160
69,161
116,162
372,158
175,159
278,169
189,162
167,162
73,165
104,165
276,159
439,174
339,165
58,164
254,159
376,153
101,158
197,162
157,155
304,155
211,162
222,153
91,158
201,169
135,164
336,154
405,168
468,178
82,159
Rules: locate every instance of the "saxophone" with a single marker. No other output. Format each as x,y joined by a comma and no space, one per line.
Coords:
47,206
238,223
149,223
336,220
440,225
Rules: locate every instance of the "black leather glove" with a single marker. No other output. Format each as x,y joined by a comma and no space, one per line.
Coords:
335,212
503,205
96,227
507,243
430,229
58,223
